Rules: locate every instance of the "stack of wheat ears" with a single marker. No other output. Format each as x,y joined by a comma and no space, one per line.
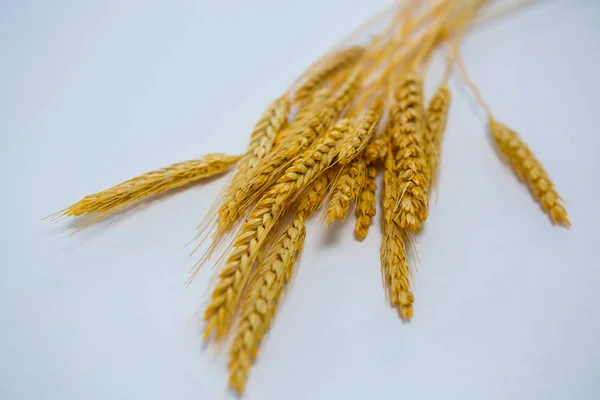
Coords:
358,111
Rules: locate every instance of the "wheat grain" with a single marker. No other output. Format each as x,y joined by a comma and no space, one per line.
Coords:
359,137
377,149
529,170
411,159
337,62
135,190
346,190
269,209
437,115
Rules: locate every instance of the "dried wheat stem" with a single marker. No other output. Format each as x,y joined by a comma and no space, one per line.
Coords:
346,190
411,159
140,188
366,206
268,211
529,170
336,63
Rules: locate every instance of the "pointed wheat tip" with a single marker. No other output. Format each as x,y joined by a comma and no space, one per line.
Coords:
406,312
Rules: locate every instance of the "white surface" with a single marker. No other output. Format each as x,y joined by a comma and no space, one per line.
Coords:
93,92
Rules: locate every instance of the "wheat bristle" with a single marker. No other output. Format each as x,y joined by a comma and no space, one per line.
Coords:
359,137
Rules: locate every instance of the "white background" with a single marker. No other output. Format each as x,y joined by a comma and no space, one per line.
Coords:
94,92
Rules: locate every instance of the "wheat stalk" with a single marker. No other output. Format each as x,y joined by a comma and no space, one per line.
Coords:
140,188
529,170
411,159
269,209
366,207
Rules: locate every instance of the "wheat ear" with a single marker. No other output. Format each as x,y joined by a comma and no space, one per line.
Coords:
273,275
366,206
529,170
437,116
394,259
337,62
267,212
132,191
411,159
346,190
359,137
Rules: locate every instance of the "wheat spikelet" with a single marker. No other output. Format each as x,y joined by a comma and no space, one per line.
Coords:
269,209
259,310
437,115
140,188
337,62
377,149
366,207
529,170
411,159
346,190
359,137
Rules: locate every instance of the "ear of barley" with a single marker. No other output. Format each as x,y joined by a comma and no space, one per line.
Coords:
437,115
359,137
529,170
411,159
132,191
346,190
377,149
337,62
366,206
262,219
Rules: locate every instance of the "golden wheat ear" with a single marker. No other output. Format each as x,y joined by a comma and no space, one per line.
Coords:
529,170
107,202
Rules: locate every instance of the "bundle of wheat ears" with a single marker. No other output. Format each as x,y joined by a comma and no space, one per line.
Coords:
358,111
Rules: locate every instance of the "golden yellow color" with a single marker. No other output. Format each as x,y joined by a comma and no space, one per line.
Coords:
337,62
346,190
529,170
377,149
261,306
359,137
437,116
394,258
366,207
268,211
143,187
264,294
411,160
